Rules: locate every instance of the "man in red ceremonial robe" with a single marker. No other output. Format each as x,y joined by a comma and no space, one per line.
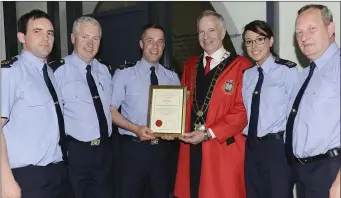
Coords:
211,157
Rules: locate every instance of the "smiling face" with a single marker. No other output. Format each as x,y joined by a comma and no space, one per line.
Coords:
86,41
312,34
258,46
152,45
211,34
39,37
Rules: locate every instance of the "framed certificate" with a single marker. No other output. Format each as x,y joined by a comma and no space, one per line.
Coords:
167,110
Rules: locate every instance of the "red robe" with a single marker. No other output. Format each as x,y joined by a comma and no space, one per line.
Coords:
222,171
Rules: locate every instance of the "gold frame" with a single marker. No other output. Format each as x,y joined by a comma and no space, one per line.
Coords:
183,118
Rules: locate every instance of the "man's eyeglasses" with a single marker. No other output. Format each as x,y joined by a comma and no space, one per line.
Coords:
259,41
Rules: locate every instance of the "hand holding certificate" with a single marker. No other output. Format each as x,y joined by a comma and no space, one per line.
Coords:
167,110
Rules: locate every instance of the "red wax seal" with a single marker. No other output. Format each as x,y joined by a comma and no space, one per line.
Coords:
158,123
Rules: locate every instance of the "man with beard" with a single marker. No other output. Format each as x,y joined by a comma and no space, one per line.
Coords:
211,157
33,138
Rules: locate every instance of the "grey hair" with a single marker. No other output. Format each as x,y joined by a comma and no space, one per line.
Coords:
85,19
327,15
207,13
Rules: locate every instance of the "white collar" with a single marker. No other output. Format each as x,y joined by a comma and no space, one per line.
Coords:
218,55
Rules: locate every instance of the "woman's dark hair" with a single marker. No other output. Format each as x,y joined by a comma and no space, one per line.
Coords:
261,28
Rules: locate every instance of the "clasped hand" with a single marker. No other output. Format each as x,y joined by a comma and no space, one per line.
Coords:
194,137
145,133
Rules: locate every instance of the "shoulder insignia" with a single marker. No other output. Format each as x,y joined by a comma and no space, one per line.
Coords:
56,64
170,69
285,62
8,63
126,65
106,64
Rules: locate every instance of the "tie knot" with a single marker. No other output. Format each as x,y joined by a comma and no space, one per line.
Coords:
88,67
208,59
152,69
312,65
260,70
45,67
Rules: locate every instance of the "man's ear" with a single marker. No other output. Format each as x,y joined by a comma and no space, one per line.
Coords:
73,38
223,33
141,44
21,37
331,29
272,41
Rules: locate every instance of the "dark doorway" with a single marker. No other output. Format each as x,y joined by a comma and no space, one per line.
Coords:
121,29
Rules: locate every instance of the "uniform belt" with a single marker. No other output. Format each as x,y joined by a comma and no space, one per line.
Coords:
95,142
136,139
331,153
272,136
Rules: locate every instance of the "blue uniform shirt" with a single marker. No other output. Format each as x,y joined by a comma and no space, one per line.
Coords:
317,124
32,131
131,90
81,121
274,98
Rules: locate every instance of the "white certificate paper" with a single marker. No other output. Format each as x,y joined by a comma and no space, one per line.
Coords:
167,110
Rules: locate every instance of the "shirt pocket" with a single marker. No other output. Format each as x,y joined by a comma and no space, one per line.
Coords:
247,91
276,91
76,91
136,89
327,92
35,96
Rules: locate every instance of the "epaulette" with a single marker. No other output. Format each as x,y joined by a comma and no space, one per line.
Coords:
285,62
106,64
8,63
170,69
126,65
56,64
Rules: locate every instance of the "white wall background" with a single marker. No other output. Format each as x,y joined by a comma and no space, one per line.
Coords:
63,29
237,15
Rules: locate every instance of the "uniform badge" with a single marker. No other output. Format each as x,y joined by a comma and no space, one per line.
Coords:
228,87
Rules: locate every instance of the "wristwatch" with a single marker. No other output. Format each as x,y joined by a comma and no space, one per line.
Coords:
206,138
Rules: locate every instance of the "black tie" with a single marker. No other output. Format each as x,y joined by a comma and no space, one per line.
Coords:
102,120
252,134
153,77
62,138
293,113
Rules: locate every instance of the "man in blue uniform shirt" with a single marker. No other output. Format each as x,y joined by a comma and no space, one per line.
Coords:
85,85
31,117
313,126
145,163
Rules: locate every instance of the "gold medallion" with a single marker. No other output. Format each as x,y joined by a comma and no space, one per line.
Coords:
200,113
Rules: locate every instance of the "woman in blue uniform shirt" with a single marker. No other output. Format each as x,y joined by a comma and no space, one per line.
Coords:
267,87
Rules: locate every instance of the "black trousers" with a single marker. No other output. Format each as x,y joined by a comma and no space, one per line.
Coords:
267,172
49,181
116,167
145,171
315,179
90,169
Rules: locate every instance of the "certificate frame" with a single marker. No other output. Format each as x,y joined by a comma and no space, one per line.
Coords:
174,94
